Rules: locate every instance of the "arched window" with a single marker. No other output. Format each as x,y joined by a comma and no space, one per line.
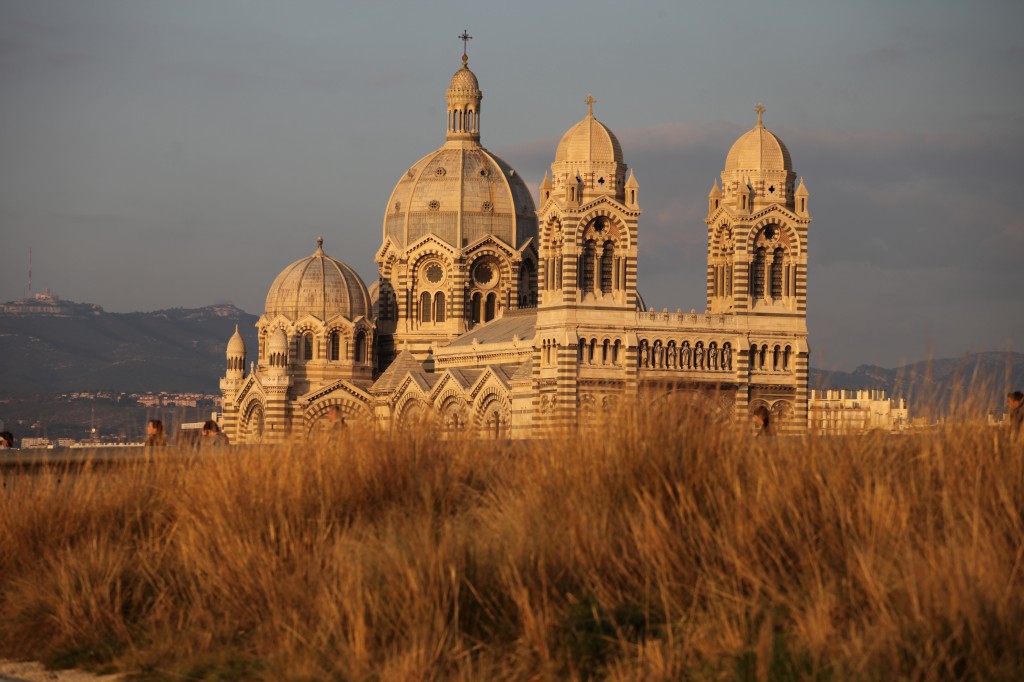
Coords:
605,358
785,357
587,271
439,313
360,352
307,346
757,274
425,307
590,354
476,304
492,304
527,290
776,359
763,357
753,356
615,352
335,349
777,274
607,259
384,306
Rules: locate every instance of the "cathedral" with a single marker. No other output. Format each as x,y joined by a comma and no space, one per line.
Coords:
504,318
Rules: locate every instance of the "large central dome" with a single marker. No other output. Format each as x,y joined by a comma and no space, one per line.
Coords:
461,192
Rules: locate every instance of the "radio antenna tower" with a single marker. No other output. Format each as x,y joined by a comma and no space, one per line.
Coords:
30,272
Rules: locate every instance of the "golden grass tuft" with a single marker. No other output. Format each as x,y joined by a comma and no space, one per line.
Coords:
662,545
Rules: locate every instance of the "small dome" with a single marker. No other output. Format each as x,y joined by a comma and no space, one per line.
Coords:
589,140
278,342
464,81
236,346
320,286
758,149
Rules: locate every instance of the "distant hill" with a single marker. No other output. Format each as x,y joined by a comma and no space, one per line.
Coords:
983,378
48,345
80,347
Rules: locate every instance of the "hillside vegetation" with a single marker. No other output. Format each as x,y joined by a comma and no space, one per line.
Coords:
660,546
166,350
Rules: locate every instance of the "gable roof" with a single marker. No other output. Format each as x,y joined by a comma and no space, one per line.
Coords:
404,364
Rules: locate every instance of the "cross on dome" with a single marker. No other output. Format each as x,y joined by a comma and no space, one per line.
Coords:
590,101
465,38
760,111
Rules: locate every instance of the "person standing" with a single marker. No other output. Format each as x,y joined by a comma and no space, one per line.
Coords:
1015,410
155,437
213,437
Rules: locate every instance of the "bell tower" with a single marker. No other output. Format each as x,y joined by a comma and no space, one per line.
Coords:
588,221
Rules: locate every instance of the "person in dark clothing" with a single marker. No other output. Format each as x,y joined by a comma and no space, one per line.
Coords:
6,439
213,437
1015,410
155,437
763,420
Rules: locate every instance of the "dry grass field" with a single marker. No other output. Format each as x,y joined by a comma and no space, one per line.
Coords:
661,546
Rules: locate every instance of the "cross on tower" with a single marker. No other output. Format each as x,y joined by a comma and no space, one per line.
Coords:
465,38
589,101
760,110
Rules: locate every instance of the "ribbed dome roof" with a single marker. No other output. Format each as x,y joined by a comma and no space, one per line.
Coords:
589,140
236,345
320,286
464,81
758,149
460,183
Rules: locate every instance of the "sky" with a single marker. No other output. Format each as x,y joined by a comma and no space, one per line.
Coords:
179,153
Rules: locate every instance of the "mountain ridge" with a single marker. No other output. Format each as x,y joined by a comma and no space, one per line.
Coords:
173,349
81,347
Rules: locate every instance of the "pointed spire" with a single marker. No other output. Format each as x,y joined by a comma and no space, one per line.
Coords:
546,182
760,112
801,190
715,193
631,182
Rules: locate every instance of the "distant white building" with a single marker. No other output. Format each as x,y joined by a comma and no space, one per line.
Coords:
836,411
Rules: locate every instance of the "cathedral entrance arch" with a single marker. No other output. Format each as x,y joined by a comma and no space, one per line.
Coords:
349,411
252,422
413,413
494,416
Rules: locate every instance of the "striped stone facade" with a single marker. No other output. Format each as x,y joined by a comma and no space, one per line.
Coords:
502,320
